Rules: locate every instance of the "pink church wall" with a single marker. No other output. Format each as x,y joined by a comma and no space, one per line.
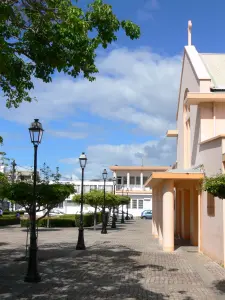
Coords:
207,127
219,118
189,81
212,227
202,127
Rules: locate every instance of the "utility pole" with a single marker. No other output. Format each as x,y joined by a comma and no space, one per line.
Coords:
13,175
13,170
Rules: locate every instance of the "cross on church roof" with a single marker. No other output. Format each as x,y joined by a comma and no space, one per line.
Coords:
189,32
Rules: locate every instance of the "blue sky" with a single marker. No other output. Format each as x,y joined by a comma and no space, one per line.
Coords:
123,115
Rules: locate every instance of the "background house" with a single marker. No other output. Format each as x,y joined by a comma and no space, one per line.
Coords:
69,207
130,180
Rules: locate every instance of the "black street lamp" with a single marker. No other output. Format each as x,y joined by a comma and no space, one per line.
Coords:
36,132
13,177
104,222
80,242
114,215
122,219
127,216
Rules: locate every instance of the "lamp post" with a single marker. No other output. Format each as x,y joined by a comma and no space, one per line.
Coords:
104,230
36,132
114,215
127,216
122,219
13,177
80,242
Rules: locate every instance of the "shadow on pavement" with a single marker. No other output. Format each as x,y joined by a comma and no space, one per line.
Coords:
101,272
99,228
3,244
219,285
40,229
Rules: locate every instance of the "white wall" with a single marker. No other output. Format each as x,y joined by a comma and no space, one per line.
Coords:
71,208
136,212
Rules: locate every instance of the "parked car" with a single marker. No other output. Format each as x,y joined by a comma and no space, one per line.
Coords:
55,213
51,213
146,214
119,215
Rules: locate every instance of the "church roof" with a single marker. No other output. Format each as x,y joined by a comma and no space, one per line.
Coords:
215,65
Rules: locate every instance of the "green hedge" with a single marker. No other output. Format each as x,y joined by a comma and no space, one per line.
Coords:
8,220
65,221
13,213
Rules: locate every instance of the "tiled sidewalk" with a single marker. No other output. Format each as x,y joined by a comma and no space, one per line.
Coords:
125,264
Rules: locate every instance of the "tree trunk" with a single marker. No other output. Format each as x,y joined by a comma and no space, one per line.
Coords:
48,220
95,217
109,214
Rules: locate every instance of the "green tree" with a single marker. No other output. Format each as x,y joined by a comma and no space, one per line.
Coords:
3,159
94,198
48,195
39,37
123,200
4,183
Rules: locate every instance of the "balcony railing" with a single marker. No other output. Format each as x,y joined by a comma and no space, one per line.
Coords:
131,187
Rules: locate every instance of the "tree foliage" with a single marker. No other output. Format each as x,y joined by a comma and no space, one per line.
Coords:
215,185
4,183
123,200
48,195
3,159
95,198
39,37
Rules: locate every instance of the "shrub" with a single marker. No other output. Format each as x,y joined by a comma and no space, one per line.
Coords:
64,221
9,220
215,185
67,216
13,213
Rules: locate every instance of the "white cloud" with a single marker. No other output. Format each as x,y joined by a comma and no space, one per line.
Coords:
146,12
68,134
69,161
135,86
161,152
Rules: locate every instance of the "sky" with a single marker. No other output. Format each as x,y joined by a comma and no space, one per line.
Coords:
123,116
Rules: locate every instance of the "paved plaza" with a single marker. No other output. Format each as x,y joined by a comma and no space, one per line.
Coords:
125,264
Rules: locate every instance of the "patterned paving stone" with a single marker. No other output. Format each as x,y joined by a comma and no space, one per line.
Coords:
125,264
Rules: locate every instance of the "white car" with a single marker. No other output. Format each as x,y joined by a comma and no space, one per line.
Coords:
51,213
55,213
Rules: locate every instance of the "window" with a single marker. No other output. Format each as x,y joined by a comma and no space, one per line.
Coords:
86,188
109,188
71,203
140,204
60,205
77,188
134,203
138,180
93,187
129,206
210,205
101,187
119,180
145,178
125,180
132,179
